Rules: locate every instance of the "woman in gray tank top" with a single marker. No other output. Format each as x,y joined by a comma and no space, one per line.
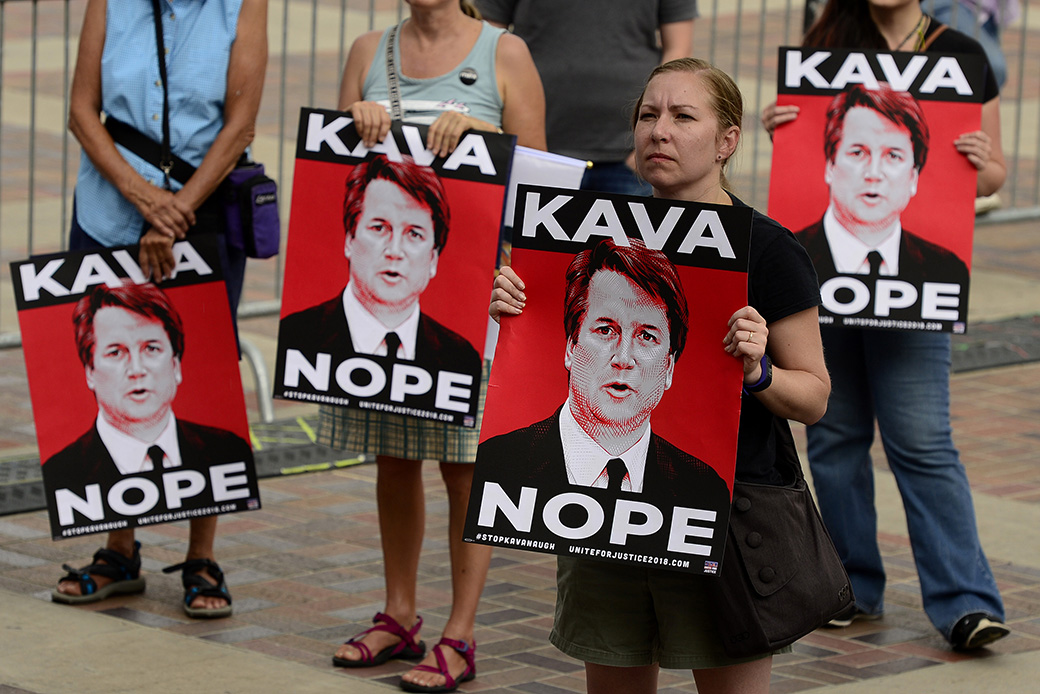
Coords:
454,73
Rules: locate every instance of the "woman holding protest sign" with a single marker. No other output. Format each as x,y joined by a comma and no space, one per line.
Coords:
454,73
210,85
625,621
901,379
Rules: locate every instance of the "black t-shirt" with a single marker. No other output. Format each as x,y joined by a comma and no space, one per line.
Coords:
781,282
952,41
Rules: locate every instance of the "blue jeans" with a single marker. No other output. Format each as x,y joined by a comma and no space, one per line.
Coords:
902,379
614,177
962,17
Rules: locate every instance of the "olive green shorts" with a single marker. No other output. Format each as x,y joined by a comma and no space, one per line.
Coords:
631,616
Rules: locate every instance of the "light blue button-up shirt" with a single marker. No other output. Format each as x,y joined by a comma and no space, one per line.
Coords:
198,35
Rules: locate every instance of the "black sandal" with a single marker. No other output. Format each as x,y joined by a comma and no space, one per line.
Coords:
124,572
195,585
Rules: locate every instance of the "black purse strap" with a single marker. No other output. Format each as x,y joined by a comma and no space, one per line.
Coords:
165,157
392,87
148,149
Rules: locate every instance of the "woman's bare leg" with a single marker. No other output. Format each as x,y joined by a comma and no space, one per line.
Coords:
469,567
746,678
402,521
201,535
607,679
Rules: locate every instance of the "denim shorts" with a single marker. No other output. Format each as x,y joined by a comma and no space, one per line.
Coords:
632,616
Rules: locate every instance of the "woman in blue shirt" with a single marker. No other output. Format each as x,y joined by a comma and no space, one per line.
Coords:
216,54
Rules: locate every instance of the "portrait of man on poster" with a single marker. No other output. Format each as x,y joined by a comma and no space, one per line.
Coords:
876,143
396,220
130,340
626,320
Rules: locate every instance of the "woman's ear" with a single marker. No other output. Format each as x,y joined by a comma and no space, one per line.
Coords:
728,141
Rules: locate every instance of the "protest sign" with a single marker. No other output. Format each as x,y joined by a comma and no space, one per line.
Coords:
882,200
628,300
135,388
416,237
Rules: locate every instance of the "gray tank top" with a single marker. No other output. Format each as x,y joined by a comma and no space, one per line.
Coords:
470,88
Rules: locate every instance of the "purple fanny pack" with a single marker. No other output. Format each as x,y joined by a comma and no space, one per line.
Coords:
252,211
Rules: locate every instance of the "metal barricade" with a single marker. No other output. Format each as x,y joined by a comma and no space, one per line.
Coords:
308,43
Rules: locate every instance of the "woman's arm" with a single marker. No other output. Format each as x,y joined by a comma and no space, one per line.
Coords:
984,150
676,40
521,88
169,216
371,120
245,84
801,384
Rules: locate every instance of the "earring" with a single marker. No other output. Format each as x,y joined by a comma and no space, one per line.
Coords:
718,157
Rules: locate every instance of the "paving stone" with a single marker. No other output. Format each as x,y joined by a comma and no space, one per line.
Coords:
547,662
890,636
541,688
141,617
240,635
10,529
17,559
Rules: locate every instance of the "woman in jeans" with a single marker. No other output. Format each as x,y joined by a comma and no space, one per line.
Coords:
902,380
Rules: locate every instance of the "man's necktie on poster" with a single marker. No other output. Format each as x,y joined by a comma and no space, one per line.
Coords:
616,472
156,455
874,259
393,342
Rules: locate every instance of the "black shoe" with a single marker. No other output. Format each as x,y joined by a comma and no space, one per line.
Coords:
975,631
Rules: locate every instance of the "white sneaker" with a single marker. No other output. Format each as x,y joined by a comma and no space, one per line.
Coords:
987,203
857,615
975,631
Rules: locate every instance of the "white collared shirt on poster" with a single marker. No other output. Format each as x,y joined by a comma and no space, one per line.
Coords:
368,334
850,254
586,461
131,454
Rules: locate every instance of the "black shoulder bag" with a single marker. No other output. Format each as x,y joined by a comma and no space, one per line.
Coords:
781,576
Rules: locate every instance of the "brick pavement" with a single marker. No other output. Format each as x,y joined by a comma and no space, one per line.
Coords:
306,571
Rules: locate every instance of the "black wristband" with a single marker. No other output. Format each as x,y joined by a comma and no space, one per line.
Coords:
765,380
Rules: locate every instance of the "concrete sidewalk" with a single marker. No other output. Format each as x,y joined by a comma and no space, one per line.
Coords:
47,648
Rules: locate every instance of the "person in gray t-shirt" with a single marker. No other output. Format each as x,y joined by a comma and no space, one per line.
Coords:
593,58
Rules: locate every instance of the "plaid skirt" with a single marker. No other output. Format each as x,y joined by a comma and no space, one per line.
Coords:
382,433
